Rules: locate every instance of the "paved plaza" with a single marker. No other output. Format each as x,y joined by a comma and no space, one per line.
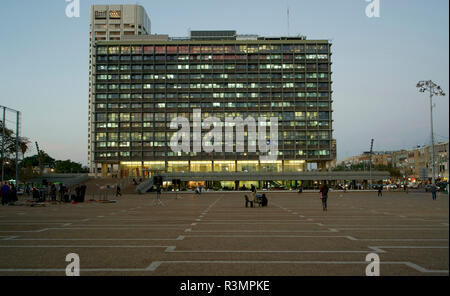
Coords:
214,234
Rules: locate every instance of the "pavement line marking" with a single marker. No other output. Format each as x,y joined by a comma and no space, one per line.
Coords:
129,225
188,230
170,249
395,229
97,239
173,250
256,221
377,249
299,222
31,223
411,247
153,266
382,226
9,238
272,236
424,270
27,231
405,239
193,224
156,264
102,228
263,231
82,246
83,270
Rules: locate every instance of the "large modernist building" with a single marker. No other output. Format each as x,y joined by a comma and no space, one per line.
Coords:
141,82
110,22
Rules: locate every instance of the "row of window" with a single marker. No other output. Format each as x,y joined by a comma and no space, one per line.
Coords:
163,136
227,57
235,48
149,154
160,145
212,95
290,66
207,76
113,86
213,105
200,76
137,117
166,125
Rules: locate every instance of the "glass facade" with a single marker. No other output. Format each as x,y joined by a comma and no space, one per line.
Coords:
140,88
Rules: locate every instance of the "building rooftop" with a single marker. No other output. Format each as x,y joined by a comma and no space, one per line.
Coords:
217,35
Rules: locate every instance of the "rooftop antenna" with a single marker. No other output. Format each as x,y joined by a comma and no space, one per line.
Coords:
288,21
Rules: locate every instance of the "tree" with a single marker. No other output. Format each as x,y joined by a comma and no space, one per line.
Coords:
68,166
10,150
33,161
394,172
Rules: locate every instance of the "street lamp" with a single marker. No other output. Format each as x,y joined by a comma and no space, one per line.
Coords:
435,90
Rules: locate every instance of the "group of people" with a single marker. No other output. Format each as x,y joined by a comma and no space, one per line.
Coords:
256,199
48,191
8,194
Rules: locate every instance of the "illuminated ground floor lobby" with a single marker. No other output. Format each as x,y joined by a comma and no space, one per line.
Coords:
147,169
238,175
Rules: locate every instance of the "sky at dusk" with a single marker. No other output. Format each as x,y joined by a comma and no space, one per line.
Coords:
377,62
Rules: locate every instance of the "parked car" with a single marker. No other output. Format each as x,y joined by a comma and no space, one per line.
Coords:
442,185
391,186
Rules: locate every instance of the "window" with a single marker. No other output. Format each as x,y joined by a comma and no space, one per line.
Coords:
102,50
171,49
125,50
100,14
160,49
136,49
113,50
114,14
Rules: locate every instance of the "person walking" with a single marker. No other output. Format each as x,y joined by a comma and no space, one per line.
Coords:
380,190
13,194
83,190
324,195
35,193
62,190
434,191
5,193
158,196
53,192
118,191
